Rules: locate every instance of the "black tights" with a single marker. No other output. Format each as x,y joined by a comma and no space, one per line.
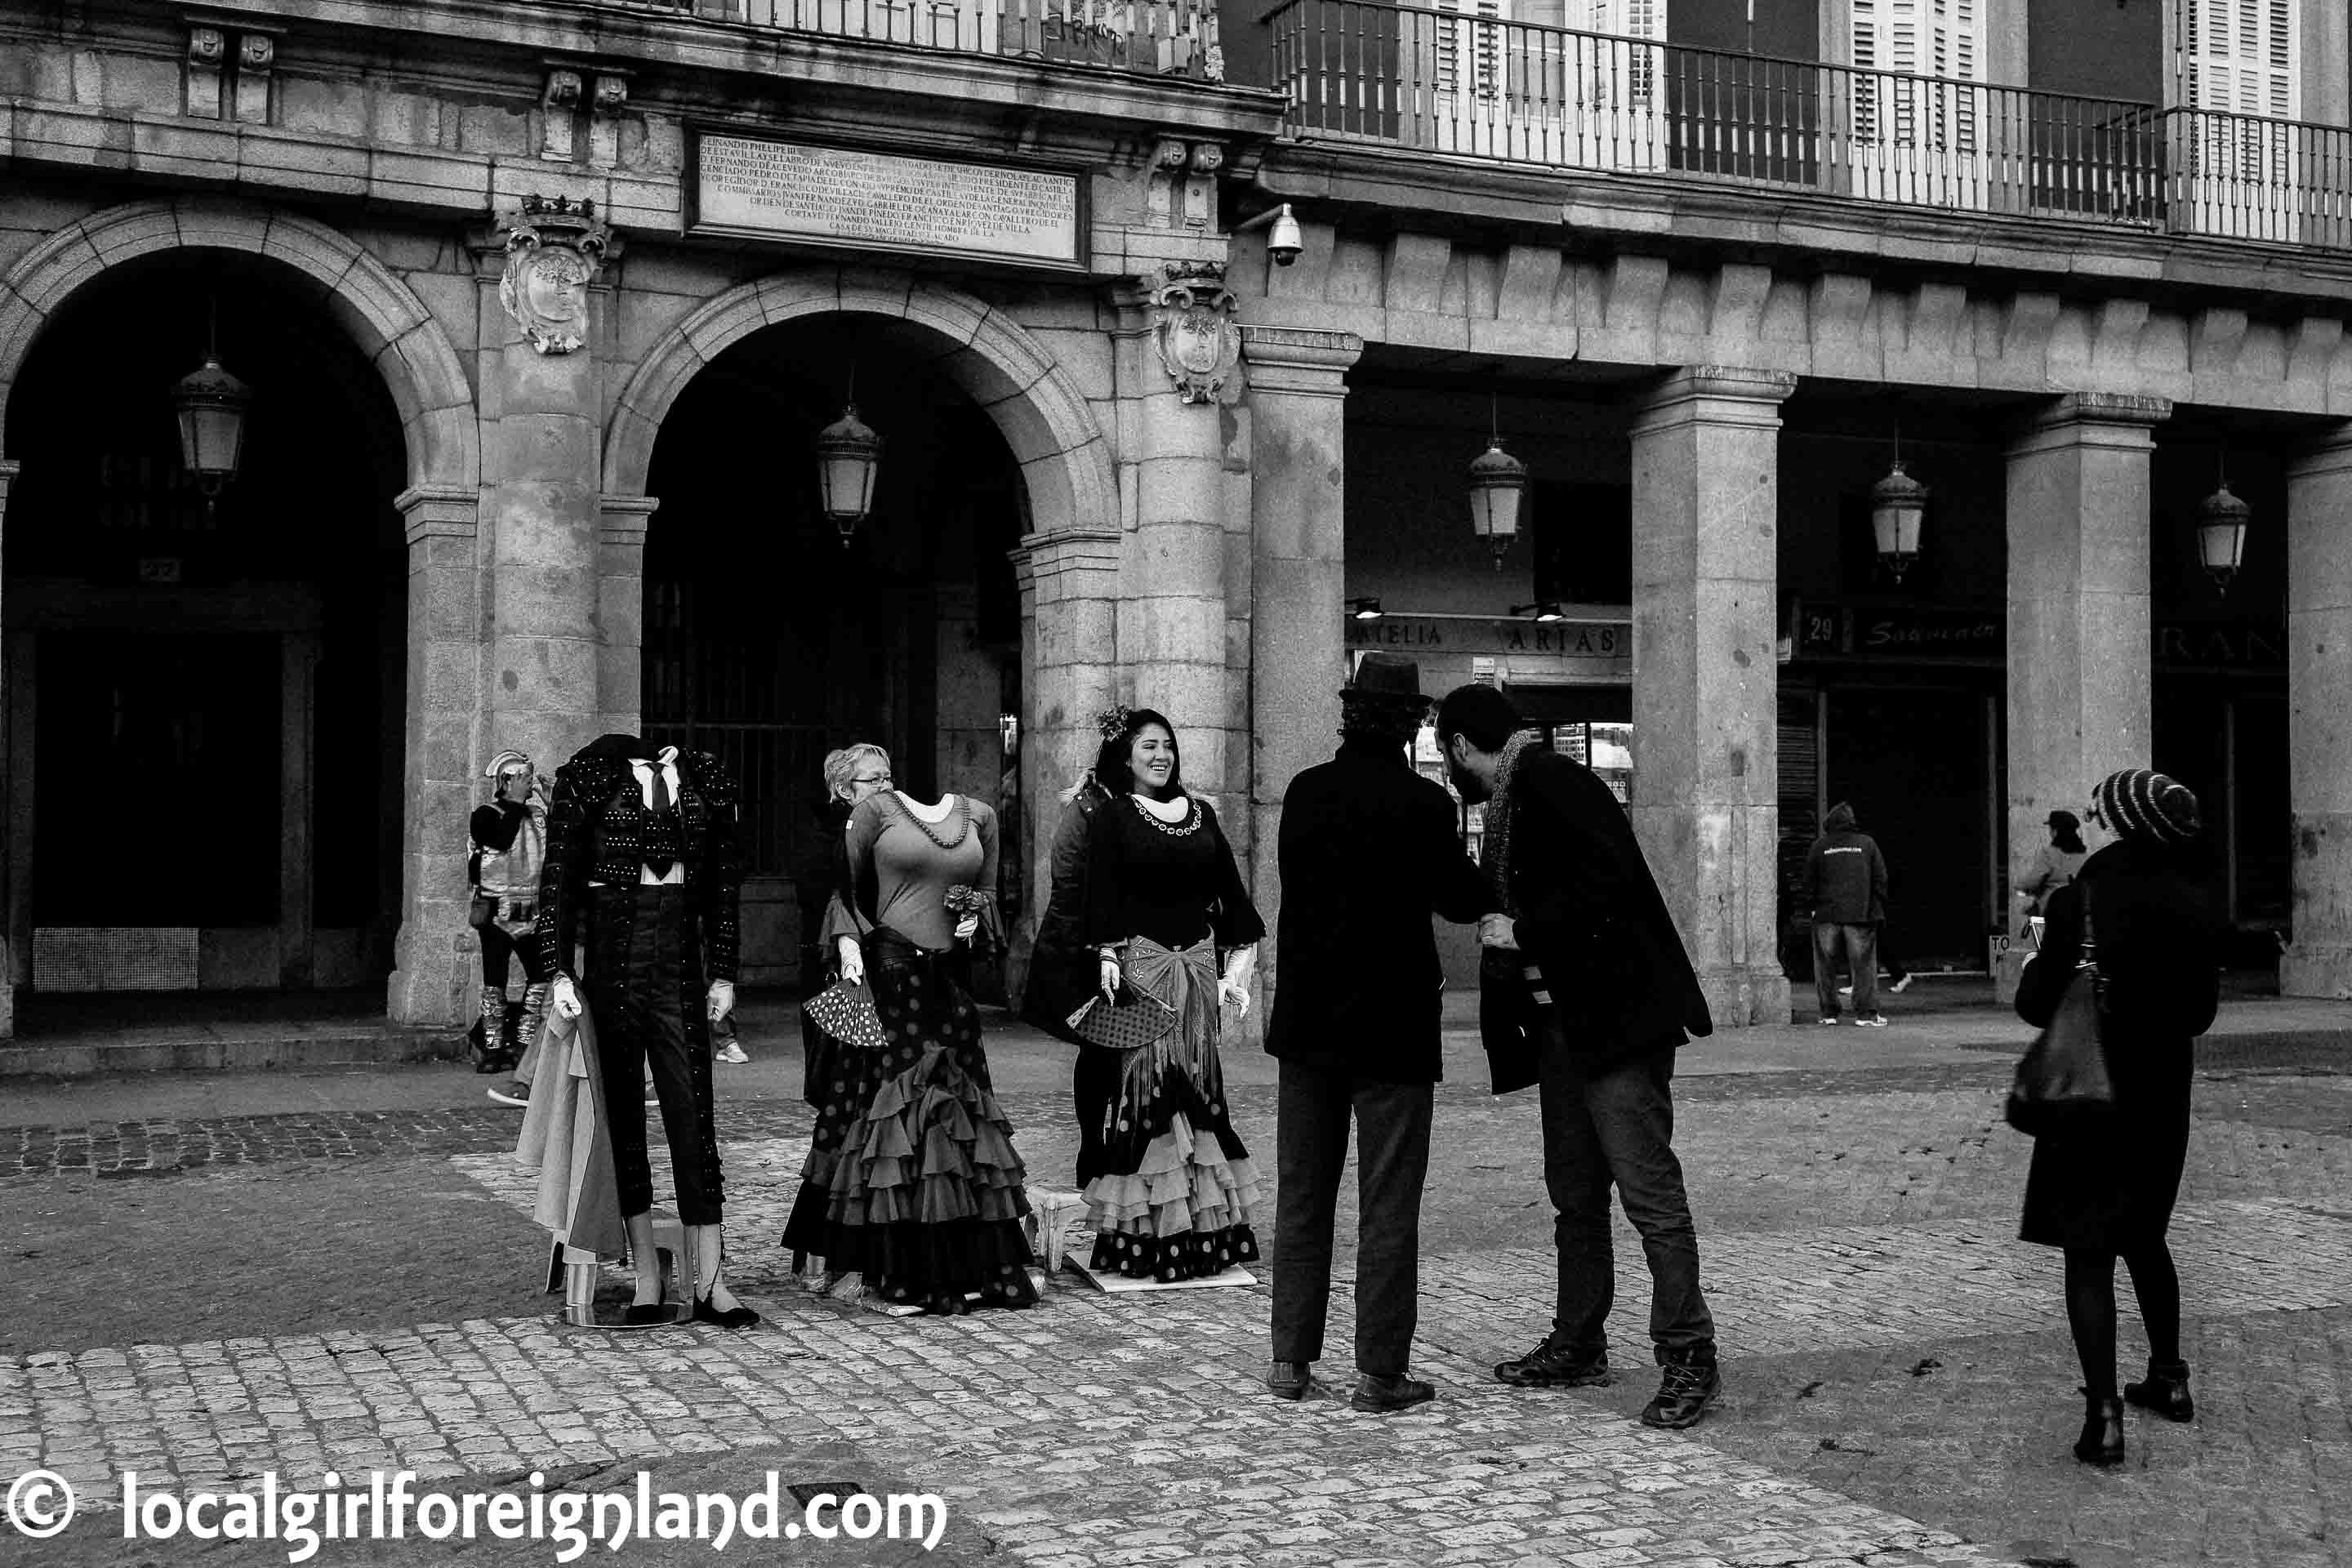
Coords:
2091,1308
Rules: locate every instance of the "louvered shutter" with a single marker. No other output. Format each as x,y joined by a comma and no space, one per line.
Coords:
2240,56
1940,39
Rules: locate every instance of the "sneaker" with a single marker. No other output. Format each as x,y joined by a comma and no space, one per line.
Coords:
1829,1018
1690,1384
1550,1366
1899,986
1875,1021
732,1054
514,1094
1846,993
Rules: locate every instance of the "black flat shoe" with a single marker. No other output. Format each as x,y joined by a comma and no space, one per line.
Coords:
2102,1442
732,1318
2166,1392
1386,1395
1290,1379
1550,1366
638,1317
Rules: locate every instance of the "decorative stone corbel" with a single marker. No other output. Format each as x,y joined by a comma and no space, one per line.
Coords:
1160,196
1200,187
606,105
559,104
207,53
257,56
553,245
1199,342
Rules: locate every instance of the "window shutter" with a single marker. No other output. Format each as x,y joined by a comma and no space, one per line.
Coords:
2240,56
1939,38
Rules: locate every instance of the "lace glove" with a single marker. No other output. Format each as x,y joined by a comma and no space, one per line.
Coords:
565,997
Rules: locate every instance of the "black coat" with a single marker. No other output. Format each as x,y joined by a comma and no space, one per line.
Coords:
1592,919
1369,851
1063,970
2157,937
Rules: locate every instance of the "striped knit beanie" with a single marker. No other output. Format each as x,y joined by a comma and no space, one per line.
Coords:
2138,804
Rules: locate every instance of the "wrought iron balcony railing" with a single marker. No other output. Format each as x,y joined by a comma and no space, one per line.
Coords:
1458,82
1152,38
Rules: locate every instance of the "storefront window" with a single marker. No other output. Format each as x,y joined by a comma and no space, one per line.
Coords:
1606,748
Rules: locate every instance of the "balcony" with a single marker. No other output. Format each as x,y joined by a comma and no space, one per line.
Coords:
1459,83
1148,38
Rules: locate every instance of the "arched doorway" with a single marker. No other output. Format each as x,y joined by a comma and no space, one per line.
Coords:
770,643
206,704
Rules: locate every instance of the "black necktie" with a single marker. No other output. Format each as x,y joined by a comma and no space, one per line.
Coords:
661,790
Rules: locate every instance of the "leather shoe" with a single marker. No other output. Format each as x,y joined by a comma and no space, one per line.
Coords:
638,1317
1290,1379
1386,1395
1555,1365
737,1316
2166,1392
2102,1442
1689,1384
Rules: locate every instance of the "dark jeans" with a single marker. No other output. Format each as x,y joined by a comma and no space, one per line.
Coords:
1862,960
1310,1142
1617,1126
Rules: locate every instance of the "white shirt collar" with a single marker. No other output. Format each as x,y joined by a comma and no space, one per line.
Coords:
666,761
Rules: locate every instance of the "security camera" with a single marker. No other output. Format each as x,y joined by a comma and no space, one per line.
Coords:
1281,238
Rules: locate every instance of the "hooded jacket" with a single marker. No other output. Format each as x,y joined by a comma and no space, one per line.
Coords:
1845,875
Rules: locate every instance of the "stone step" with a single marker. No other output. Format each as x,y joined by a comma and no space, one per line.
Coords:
224,1048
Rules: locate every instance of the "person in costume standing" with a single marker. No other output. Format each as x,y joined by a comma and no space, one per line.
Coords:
1170,1190
644,876
510,844
2105,1190
911,1179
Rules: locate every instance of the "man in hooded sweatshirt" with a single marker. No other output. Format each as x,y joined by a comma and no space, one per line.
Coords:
1845,883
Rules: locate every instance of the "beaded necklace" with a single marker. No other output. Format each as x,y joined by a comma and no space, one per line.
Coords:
1191,824
963,822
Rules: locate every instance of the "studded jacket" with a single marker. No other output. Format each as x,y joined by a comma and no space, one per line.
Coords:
600,831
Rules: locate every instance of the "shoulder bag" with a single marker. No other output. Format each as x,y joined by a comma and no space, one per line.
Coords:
2062,1079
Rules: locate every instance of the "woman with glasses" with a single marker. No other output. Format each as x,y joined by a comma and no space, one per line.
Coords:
911,1179
1169,1188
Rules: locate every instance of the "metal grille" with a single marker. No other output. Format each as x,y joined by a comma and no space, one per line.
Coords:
114,958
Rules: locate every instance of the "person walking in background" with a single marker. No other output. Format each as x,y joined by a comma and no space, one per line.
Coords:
1845,883
1367,849
2104,1189
510,844
1593,997
2055,864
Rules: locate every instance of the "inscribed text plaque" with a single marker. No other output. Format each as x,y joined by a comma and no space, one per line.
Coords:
843,196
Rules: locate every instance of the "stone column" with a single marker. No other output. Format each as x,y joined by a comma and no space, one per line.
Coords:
541,508
1297,407
434,956
12,867
1706,791
2319,717
1069,617
2080,632
621,614
1172,620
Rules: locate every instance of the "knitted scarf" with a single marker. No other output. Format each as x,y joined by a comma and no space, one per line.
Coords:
1495,854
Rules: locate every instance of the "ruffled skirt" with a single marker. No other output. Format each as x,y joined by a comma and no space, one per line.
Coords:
912,1180
1169,1190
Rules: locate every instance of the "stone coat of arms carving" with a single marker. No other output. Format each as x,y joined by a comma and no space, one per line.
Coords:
554,249
1199,342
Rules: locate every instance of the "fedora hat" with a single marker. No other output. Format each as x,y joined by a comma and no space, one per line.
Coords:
1385,675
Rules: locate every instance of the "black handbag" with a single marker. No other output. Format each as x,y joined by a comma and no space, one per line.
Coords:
2062,1079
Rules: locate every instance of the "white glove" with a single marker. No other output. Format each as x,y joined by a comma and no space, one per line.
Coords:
564,998
966,926
1233,994
852,962
1109,979
722,999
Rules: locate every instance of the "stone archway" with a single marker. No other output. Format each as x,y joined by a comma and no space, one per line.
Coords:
433,401
1067,563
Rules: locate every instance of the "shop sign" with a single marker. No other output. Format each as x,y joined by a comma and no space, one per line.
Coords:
1906,632
1610,640
2221,646
881,201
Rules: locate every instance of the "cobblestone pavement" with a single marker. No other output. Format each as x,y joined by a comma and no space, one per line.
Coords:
203,1299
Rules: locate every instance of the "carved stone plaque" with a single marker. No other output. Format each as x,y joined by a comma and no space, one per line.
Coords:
841,196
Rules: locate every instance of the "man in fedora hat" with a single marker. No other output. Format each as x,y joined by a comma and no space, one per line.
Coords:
1368,849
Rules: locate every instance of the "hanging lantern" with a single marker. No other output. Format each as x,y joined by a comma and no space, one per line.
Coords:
1497,481
2222,535
1897,504
211,404
848,459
